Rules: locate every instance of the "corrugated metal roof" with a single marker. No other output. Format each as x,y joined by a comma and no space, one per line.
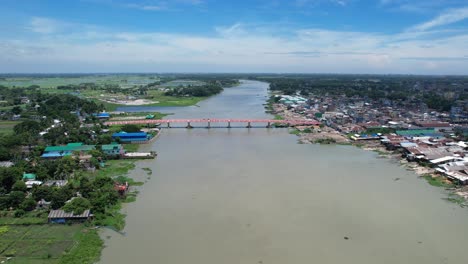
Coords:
133,134
70,147
63,214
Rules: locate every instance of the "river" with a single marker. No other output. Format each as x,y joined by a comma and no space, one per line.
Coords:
235,196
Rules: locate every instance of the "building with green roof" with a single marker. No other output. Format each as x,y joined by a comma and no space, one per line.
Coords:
113,149
29,176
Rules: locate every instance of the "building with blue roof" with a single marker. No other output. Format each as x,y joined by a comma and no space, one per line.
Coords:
53,152
102,115
131,137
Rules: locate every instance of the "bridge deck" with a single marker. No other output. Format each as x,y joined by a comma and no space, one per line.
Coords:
212,120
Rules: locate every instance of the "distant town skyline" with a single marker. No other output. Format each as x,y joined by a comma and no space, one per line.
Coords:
277,36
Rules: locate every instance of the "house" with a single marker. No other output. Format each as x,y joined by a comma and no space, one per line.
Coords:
457,171
29,177
6,164
133,137
53,152
56,183
419,132
113,149
30,184
102,115
61,217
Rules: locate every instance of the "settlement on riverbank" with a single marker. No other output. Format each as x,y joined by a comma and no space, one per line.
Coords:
429,150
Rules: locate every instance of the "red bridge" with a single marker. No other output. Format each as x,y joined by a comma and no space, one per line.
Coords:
209,121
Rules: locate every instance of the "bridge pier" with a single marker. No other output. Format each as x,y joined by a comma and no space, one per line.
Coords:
209,124
168,125
189,125
268,125
229,124
248,125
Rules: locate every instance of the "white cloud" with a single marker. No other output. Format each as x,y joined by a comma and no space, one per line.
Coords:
147,7
449,17
238,47
44,25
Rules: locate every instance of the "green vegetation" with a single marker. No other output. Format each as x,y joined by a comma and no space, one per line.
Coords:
87,248
382,130
278,117
454,198
148,171
295,131
438,181
197,91
131,147
6,127
38,243
325,141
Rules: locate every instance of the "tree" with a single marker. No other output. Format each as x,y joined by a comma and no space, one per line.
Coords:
42,192
15,198
27,126
66,166
19,186
8,176
78,205
60,196
129,128
16,110
28,205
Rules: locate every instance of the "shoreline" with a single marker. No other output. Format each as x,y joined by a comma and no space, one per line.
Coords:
326,135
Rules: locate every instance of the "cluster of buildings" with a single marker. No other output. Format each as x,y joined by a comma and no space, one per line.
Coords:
427,137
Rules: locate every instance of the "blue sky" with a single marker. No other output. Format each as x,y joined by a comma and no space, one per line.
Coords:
307,36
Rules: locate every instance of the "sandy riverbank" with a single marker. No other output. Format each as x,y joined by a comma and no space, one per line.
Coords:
310,134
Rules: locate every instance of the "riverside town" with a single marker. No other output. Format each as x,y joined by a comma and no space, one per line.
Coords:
233,132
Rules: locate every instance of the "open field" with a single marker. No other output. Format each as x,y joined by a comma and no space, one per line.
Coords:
7,126
127,92
37,243
124,80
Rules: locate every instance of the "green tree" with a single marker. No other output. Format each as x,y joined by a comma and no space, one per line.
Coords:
28,204
19,186
8,176
78,205
60,196
66,166
130,128
16,110
15,198
42,192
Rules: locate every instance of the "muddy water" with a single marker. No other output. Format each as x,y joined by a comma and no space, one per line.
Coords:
255,196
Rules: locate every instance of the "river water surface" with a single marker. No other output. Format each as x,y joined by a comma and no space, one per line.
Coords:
235,196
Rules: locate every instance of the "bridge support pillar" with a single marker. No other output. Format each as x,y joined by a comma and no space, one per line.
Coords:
209,124
168,125
248,125
229,124
189,125
268,125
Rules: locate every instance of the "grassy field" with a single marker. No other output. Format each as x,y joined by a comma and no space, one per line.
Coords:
124,80
7,126
37,243
49,85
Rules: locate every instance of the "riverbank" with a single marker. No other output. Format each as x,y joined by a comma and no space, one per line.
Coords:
308,134
328,135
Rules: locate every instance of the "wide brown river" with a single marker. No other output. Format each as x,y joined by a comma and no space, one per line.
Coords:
235,196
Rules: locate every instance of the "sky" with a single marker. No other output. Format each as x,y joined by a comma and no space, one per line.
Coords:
263,36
